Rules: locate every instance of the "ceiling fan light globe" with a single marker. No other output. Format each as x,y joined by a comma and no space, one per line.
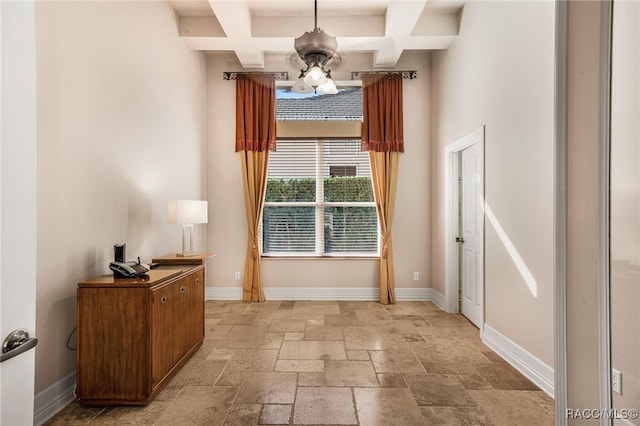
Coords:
328,88
315,77
301,87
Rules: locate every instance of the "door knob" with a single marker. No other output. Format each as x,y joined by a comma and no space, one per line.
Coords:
17,342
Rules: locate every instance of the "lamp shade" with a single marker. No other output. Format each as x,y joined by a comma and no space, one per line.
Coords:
187,211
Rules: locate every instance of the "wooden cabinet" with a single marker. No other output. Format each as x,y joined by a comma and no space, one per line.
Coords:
134,335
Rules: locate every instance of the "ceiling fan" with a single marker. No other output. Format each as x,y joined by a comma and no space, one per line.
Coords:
315,54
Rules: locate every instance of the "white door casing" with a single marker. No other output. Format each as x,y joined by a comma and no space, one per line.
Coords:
471,227
17,205
451,218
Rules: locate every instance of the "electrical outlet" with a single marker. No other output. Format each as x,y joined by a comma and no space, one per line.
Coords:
236,276
416,276
616,381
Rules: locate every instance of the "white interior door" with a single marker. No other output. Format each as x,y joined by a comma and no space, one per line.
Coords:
18,206
471,230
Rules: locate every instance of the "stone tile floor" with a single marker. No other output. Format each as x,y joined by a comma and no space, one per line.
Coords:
335,363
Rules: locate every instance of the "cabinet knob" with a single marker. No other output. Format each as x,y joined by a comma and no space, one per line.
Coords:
182,289
197,281
164,299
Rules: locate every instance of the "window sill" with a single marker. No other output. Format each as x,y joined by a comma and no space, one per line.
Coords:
285,257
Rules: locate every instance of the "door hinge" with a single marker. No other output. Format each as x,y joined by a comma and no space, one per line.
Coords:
460,240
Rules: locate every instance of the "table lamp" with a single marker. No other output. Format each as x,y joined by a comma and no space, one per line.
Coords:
186,213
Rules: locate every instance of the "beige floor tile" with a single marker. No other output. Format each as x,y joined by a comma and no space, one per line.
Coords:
447,320
439,416
293,336
312,350
544,401
276,314
216,332
148,414
370,315
391,380
312,379
324,406
442,350
396,327
253,360
315,308
345,319
275,414
511,408
387,407
221,310
412,308
300,365
288,326
350,374
323,332
197,405
448,367
221,354
268,388
231,378
199,372
474,382
471,416
357,355
243,415
238,319
367,338
438,390
75,414
254,339
393,361
504,377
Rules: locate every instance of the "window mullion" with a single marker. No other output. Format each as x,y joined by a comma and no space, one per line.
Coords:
319,197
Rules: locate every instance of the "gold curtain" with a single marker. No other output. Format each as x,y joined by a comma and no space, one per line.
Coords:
382,135
255,136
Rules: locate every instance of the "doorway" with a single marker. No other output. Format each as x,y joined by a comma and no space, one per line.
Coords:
464,227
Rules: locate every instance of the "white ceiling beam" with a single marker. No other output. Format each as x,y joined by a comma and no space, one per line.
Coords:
235,19
237,26
402,17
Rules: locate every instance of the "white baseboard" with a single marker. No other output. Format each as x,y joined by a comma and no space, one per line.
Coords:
53,399
526,363
340,293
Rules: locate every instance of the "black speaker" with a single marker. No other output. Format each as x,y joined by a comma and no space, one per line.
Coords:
119,253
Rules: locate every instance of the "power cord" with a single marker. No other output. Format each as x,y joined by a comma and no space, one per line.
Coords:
69,339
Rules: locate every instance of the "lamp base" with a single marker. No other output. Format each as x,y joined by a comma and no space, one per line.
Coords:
188,254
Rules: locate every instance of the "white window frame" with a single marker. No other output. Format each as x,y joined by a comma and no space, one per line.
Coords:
320,206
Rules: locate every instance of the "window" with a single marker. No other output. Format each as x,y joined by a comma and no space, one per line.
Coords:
335,171
312,211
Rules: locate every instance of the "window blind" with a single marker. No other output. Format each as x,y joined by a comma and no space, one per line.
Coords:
309,211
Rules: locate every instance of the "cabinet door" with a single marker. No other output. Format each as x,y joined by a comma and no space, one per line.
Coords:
195,317
162,306
181,313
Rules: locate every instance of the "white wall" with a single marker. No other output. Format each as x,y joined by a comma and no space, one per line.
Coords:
625,202
499,73
411,229
120,105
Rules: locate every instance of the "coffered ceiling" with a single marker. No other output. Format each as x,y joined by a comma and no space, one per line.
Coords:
252,29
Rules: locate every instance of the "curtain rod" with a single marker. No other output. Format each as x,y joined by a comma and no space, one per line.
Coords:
233,75
284,75
407,75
